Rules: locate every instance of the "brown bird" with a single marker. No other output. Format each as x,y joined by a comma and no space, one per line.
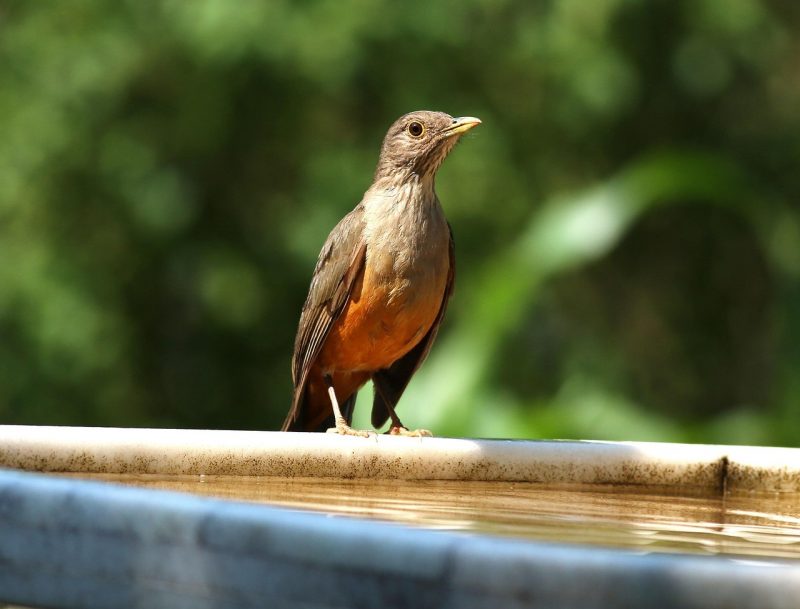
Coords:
380,287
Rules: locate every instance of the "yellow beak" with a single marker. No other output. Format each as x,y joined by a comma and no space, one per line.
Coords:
461,125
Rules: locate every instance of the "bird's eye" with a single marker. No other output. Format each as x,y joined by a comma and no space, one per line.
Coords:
416,129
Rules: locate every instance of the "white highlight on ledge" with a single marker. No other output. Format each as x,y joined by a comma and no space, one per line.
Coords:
252,453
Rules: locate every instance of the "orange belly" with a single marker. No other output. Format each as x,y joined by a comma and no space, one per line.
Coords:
382,321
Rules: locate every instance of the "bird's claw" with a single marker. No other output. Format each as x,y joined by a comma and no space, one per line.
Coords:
409,433
343,429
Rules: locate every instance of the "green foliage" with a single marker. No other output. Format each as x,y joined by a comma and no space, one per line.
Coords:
626,218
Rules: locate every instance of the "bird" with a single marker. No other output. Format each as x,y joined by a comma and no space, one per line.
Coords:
380,286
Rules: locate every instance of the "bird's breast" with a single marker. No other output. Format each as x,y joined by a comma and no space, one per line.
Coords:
398,296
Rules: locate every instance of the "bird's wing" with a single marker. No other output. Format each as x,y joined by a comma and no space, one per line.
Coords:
390,383
340,263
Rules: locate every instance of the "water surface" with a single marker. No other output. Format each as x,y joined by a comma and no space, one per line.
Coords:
633,517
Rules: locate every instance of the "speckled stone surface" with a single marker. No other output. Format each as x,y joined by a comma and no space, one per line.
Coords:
82,545
168,451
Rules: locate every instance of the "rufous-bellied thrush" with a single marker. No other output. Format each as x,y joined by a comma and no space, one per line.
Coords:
381,285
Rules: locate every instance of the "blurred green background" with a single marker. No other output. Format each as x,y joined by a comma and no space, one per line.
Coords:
627,218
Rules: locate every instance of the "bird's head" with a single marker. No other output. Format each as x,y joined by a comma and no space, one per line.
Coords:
418,142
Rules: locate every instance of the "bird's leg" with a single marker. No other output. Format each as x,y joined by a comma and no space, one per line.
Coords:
342,427
398,429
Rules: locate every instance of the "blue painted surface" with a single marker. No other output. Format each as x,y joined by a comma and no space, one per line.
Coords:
78,544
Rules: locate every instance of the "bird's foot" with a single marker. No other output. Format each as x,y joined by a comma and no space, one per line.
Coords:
343,429
398,430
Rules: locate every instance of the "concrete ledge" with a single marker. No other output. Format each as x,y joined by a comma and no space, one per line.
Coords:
171,451
77,544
